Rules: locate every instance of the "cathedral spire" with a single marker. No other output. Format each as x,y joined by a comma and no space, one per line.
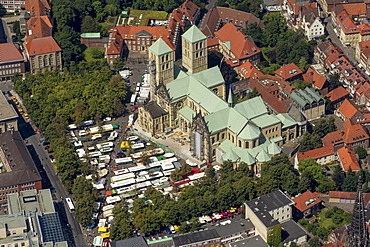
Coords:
357,234
230,98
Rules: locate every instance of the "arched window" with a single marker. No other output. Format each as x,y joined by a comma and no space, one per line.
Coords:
240,143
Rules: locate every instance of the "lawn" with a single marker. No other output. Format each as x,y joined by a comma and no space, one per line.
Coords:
146,15
92,54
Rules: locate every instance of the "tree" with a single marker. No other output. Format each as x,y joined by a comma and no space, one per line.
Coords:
274,237
90,25
99,10
334,81
303,64
253,93
309,142
361,152
338,177
300,84
96,53
350,182
111,10
314,242
118,64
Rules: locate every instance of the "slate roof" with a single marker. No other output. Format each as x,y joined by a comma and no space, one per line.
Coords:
291,231
154,110
160,47
256,241
23,168
130,242
195,237
262,205
194,35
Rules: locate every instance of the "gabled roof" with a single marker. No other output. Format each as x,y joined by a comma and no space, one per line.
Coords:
37,7
351,134
38,27
249,70
305,97
42,46
317,153
273,149
288,71
189,9
219,15
337,94
194,35
239,44
252,108
312,76
306,200
160,47
347,158
347,109
263,156
9,52
230,155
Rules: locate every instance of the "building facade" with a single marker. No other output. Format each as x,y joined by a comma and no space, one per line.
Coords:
194,100
11,61
18,171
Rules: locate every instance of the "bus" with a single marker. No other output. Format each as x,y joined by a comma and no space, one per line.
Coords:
70,205
125,176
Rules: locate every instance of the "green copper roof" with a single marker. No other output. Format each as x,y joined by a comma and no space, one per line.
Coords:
306,96
260,150
227,43
90,35
187,113
210,77
230,155
263,156
266,120
252,108
249,132
189,86
248,159
286,120
160,47
273,149
194,34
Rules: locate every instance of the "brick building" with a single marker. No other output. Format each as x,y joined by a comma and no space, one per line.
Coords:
8,115
18,171
44,53
11,61
236,47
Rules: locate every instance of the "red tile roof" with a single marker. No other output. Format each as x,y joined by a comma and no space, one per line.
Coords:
213,41
280,105
249,70
126,32
318,80
365,47
37,7
38,27
306,197
42,46
346,23
342,195
337,93
288,71
351,134
240,45
347,109
9,52
347,158
317,153
219,15
190,9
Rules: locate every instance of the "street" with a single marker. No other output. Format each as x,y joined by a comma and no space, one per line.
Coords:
44,164
348,51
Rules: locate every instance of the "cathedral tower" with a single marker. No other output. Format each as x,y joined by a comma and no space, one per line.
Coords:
357,231
194,50
163,57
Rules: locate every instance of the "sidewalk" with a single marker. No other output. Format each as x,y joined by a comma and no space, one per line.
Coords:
182,151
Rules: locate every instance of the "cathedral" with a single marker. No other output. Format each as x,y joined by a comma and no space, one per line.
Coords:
194,99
